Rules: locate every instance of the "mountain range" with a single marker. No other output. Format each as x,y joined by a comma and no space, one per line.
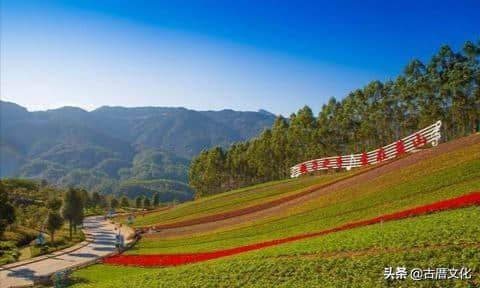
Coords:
118,150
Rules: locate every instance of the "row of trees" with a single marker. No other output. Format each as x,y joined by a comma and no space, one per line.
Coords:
140,202
124,202
145,202
447,88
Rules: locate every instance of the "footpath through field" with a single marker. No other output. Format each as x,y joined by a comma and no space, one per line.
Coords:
101,243
162,260
261,211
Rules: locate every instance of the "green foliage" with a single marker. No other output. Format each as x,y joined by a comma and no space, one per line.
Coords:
12,240
206,172
72,209
43,169
95,199
37,206
112,167
88,179
114,203
84,196
94,211
124,202
7,245
138,201
167,189
20,184
62,240
7,211
146,203
53,223
156,199
31,199
19,235
54,204
447,88
61,278
8,252
156,164
103,202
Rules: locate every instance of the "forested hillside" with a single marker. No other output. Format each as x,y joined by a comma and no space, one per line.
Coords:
446,88
117,150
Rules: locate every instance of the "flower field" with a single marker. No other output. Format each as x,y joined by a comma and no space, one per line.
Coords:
350,258
314,244
448,176
177,259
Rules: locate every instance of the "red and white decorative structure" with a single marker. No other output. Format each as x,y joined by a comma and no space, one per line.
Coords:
430,134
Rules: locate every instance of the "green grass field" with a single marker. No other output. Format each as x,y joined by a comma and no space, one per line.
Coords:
235,199
353,258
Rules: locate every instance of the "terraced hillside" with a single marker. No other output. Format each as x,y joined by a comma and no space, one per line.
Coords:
289,198
235,200
356,257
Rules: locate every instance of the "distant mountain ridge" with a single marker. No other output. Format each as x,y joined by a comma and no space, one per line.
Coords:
109,146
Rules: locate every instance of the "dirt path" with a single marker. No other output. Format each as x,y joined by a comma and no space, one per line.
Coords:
261,211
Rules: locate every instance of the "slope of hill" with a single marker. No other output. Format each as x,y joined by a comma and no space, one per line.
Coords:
102,148
433,179
442,239
355,258
216,212
234,200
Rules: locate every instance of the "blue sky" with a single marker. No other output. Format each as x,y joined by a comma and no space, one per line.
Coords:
211,55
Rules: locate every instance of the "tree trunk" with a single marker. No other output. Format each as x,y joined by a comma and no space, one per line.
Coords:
70,228
53,237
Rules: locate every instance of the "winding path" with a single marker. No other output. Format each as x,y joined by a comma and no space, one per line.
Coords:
100,243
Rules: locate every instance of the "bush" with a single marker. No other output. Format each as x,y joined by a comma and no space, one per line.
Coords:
7,245
61,278
8,252
21,236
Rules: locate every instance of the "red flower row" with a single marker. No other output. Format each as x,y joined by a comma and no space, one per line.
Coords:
161,260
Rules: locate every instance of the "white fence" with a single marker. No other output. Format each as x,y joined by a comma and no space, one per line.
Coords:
430,134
